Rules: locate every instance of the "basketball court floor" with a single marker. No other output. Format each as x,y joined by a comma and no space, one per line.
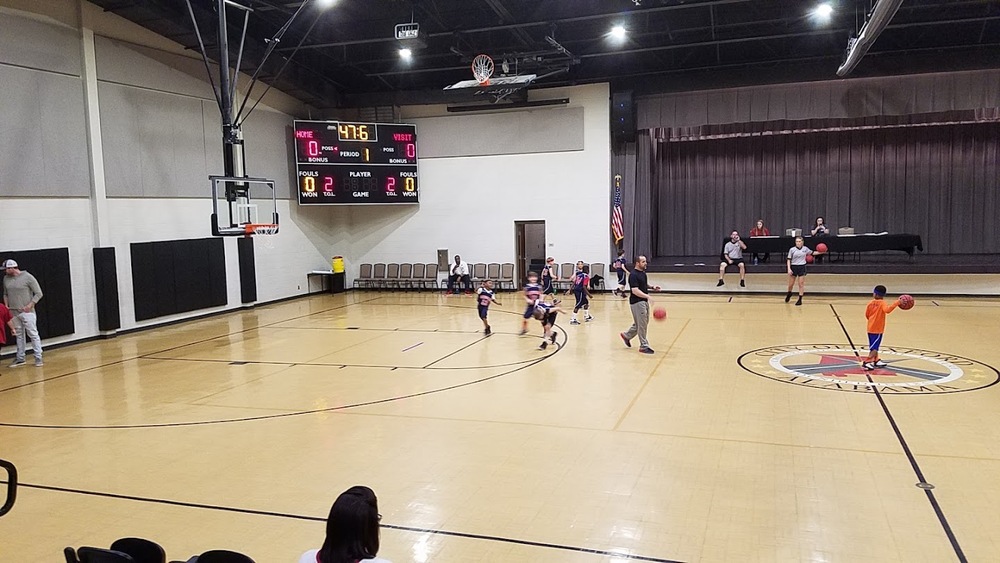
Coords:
751,434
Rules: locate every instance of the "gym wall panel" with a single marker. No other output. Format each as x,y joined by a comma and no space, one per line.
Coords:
270,152
43,142
134,65
154,143
511,132
31,43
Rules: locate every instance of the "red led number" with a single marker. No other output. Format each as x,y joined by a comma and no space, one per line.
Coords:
328,184
390,185
411,150
312,148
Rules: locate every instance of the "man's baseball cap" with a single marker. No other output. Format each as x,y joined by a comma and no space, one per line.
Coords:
9,264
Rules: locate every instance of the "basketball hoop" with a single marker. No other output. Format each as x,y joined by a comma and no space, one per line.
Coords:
482,69
267,230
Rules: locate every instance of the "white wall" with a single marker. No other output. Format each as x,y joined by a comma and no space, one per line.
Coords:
469,204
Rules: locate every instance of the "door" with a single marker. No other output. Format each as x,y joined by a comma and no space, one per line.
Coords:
529,245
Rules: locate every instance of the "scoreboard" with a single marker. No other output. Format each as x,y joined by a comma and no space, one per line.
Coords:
355,163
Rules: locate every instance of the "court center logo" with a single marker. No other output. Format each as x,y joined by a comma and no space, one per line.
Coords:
837,367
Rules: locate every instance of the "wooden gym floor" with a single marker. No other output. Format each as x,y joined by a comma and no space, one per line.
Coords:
750,435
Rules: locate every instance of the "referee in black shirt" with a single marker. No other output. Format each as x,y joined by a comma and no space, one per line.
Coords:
639,303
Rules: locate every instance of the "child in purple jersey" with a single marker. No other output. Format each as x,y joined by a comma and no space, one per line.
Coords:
532,293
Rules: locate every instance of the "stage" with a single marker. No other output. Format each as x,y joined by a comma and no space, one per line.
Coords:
973,274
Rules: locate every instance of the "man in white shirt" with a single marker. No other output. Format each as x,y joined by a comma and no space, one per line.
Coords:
459,272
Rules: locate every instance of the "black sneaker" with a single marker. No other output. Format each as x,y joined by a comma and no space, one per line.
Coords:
646,350
487,332
743,283
553,339
720,284
799,300
543,345
788,297
625,339
17,363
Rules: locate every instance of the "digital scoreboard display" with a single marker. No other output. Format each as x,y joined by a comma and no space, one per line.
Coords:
355,163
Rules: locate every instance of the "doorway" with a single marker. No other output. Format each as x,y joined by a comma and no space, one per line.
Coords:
529,242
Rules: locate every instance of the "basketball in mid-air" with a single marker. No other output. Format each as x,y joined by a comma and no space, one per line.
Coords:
906,302
821,247
659,313
809,258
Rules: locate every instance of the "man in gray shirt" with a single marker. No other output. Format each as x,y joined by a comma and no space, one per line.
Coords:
732,254
20,293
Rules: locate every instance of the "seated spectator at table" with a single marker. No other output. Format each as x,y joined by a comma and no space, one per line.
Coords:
459,272
352,530
759,230
820,230
732,255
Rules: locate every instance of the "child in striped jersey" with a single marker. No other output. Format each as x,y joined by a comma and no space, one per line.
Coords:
484,296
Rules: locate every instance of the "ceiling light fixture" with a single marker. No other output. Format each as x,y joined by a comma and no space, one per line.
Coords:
405,54
324,4
823,11
618,32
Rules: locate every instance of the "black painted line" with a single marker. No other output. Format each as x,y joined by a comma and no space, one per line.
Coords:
336,364
412,347
154,327
936,303
294,413
730,299
291,516
474,342
942,519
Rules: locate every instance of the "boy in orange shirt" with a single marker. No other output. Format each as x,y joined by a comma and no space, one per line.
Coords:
875,313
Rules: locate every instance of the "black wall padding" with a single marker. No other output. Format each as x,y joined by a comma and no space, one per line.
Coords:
51,268
106,284
248,270
178,276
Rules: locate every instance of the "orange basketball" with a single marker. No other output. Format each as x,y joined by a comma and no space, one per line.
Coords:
809,258
906,302
821,247
659,313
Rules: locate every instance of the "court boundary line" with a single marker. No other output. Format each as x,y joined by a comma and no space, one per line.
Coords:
938,511
290,516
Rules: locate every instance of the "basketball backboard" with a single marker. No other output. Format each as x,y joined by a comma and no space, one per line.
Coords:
242,205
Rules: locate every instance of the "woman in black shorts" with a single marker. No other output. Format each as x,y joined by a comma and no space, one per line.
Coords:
797,268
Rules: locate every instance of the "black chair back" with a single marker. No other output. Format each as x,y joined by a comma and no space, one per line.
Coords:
223,556
70,555
143,551
99,555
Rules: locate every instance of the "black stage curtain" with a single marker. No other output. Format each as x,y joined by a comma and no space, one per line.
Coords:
939,181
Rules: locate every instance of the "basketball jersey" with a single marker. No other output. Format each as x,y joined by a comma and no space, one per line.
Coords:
580,280
532,291
547,272
485,297
618,264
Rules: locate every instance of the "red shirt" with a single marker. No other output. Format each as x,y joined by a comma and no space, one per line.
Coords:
755,232
5,318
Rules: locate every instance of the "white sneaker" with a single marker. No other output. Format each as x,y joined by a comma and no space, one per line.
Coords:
868,366
574,322
880,364
16,364
588,318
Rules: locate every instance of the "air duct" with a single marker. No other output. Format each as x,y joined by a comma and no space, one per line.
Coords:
877,21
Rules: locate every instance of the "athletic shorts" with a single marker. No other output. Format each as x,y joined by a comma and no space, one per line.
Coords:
799,270
483,311
549,319
736,262
581,298
529,311
547,288
621,278
874,341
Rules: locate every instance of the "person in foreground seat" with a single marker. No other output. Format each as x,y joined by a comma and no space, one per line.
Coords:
352,530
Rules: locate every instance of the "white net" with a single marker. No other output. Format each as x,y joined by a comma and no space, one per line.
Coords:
265,231
482,69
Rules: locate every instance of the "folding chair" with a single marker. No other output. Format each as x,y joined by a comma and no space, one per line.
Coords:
507,275
406,275
378,276
364,278
431,276
392,276
222,556
597,269
493,272
478,274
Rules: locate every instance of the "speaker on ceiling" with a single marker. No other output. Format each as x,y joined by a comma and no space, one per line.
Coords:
622,117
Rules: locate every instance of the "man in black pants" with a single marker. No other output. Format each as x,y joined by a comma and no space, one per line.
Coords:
639,304
459,273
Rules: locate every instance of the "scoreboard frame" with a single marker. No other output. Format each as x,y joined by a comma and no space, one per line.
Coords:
352,163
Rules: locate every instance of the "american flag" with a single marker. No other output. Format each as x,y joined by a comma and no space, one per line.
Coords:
616,212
